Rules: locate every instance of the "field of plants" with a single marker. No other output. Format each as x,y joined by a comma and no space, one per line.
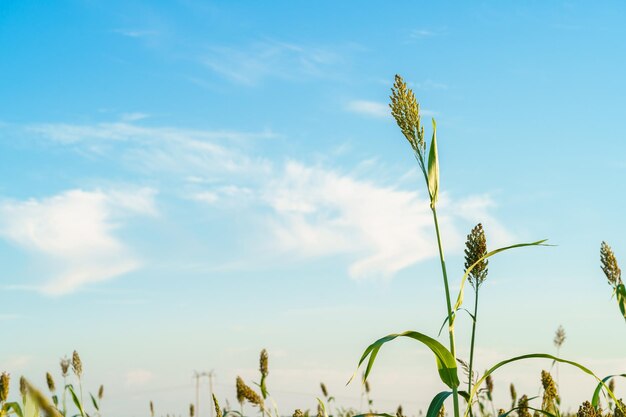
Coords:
465,391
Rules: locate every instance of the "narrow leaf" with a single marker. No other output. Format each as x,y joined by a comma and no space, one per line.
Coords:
77,402
437,403
446,363
595,400
94,402
459,300
433,168
530,356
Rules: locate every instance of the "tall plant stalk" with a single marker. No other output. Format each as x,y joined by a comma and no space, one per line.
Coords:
471,361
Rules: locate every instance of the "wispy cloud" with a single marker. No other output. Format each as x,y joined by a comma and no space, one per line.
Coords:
138,377
136,33
75,231
271,59
369,108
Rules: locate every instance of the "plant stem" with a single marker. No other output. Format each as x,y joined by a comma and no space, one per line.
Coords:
455,393
471,362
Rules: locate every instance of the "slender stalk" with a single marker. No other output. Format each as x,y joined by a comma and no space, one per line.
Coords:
471,361
455,393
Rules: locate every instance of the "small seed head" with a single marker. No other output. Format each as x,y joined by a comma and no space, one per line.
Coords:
559,337
23,386
609,265
298,413
151,409
218,410
324,390
612,384
513,393
65,366
587,410
192,410
101,392
476,248
5,380
263,363
77,364
399,411
367,386
50,382
523,407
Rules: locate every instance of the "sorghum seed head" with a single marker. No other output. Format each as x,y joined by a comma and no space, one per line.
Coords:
151,409
489,382
405,109
476,248
218,410
324,390
523,407
612,384
442,412
559,337
263,363
587,410
399,411
609,265
101,392
65,365
50,382
620,409
367,386
298,413
77,364
513,393
5,380
192,410
23,387
549,391
320,410
244,392
501,411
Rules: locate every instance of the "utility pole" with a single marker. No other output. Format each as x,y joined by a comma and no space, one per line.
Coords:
197,375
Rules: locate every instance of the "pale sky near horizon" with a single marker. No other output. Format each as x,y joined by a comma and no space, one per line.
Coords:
185,183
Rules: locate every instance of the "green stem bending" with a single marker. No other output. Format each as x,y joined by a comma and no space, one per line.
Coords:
455,392
471,360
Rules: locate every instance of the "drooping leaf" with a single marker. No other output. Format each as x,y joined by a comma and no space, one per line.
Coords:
446,364
476,387
595,400
459,300
17,409
433,168
437,403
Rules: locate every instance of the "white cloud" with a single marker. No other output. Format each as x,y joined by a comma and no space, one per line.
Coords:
138,377
74,230
369,108
320,212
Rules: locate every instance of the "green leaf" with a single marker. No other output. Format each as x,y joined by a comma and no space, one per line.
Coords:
530,408
77,402
437,403
453,314
324,413
15,407
595,400
620,291
446,364
476,387
459,300
94,402
433,168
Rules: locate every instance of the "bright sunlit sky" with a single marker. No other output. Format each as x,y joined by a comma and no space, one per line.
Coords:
185,183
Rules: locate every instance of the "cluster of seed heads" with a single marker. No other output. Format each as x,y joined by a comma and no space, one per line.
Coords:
405,109
476,248
5,380
609,265
77,364
549,392
244,393
588,410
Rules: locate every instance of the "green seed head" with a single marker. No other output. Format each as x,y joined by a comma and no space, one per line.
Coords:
192,410
523,407
405,109
244,392
77,364
549,392
476,248
101,392
609,265
298,413
218,410
50,382
5,380
324,390
513,393
23,386
263,364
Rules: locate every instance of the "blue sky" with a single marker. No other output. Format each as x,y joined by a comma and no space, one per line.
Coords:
185,183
